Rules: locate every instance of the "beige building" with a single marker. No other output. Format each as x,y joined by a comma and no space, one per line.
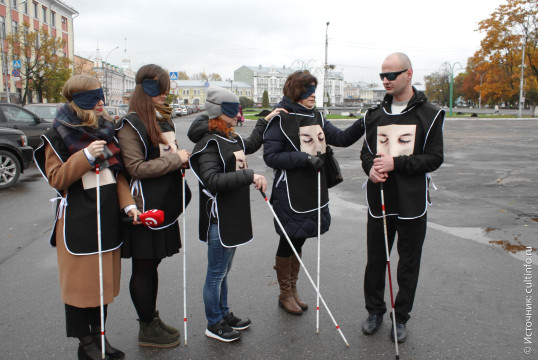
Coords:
194,91
272,79
54,16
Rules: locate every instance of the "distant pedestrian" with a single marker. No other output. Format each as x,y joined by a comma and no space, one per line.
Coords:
153,162
292,142
81,136
219,162
403,144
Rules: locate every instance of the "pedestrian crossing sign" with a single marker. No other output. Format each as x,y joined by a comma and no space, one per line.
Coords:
17,64
173,75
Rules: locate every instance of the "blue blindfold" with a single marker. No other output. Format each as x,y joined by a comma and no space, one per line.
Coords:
310,89
230,109
151,87
88,99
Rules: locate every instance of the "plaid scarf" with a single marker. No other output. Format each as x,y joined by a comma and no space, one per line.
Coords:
77,137
165,111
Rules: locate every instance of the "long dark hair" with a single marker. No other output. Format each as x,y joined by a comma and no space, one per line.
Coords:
142,103
296,84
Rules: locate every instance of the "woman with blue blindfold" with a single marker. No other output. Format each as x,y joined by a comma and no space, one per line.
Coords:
83,135
219,162
295,146
154,163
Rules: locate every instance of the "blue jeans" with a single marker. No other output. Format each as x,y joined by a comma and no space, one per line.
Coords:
219,264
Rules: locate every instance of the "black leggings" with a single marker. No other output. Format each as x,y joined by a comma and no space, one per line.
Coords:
143,286
80,322
284,248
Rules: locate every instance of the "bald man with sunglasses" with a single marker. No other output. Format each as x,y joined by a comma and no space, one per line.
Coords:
403,144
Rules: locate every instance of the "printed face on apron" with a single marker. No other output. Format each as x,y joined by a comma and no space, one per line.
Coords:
396,140
312,139
171,147
240,160
89,180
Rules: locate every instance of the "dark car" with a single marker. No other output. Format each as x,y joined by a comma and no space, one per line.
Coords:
46,112
15,156
16,117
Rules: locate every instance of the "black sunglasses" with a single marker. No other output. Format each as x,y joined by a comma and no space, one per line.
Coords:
391,76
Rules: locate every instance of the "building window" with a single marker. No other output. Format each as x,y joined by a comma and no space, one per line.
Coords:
44,14
26,7
13,3
14,27
53,18
64,23
36,14
2,27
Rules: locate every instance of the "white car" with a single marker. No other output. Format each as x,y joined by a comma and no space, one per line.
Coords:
179,110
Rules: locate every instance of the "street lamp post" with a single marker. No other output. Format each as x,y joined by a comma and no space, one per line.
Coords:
231,84
325,74
450,69
106,72
480,91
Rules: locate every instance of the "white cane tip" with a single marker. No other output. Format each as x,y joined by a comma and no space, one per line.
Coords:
317,331
347,344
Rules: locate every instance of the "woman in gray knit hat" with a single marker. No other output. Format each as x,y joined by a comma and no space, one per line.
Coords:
218,161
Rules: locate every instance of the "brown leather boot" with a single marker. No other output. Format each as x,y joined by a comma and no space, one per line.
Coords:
283,274
295,268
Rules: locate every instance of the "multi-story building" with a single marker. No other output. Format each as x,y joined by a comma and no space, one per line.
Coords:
195,91
272,79
118,82
54,16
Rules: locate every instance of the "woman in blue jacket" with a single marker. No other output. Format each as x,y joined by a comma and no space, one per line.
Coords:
294,146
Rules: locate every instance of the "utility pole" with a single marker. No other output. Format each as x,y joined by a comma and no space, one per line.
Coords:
325,75
450,70
106,74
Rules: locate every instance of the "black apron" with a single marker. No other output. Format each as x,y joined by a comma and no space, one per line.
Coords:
231,209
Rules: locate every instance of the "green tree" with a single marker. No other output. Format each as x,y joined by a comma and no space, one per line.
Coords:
44,68
438,87
265,99
246,102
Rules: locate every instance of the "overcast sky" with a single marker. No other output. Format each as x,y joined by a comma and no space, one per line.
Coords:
222,35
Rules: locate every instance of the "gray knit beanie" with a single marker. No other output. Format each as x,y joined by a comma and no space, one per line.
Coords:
215,97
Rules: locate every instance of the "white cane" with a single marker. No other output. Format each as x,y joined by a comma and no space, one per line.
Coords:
100,251
184,258
304,267
388,269
319,248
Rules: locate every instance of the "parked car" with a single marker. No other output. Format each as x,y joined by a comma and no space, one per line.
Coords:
15,156
17,117
47,112
181,110
115,112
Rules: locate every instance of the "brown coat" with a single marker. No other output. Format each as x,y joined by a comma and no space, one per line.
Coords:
132,150
79,274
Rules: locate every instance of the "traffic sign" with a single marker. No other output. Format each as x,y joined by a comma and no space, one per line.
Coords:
17,64
16,72
173,75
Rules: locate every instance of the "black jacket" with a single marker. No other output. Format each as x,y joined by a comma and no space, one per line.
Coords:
224,186
280,154
406,189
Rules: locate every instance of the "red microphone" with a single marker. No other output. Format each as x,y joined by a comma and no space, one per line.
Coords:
151,218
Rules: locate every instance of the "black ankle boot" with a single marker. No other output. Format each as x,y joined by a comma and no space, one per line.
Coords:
110,351
90,351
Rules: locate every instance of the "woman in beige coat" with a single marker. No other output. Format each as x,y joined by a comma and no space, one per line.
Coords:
83,135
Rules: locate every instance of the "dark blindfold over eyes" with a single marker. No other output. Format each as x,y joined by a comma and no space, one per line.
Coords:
151,87
310,89
88,99
230,109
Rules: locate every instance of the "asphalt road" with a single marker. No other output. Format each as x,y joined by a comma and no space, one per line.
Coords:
470,303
